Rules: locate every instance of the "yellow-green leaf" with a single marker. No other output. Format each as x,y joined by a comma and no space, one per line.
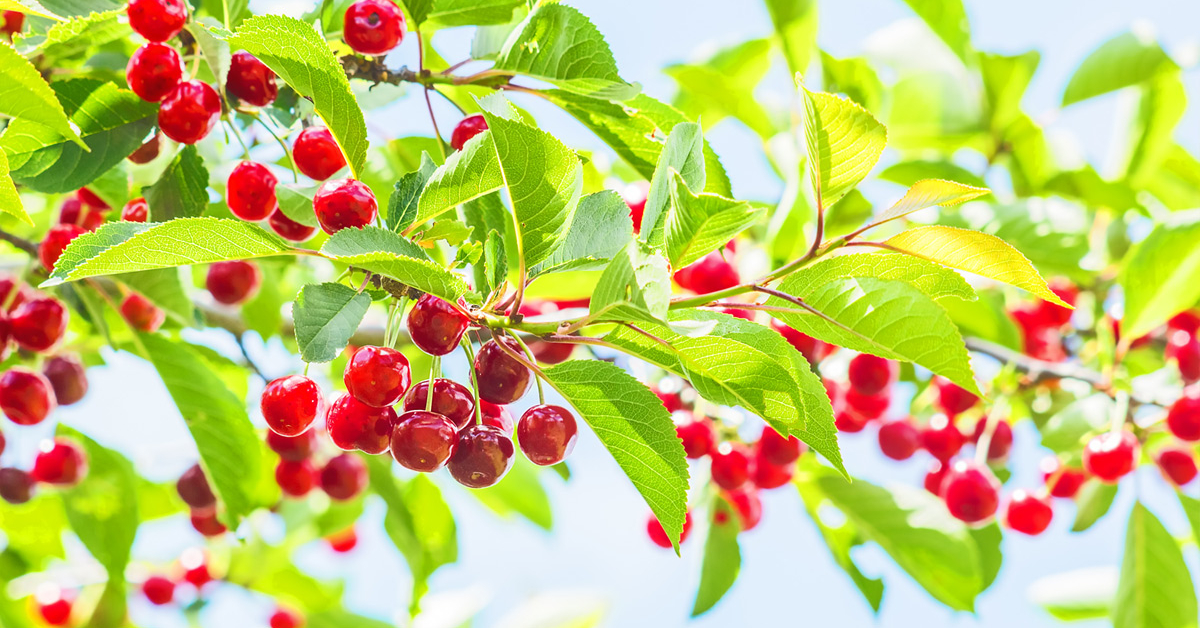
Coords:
844,141
25,95
10,201
927,193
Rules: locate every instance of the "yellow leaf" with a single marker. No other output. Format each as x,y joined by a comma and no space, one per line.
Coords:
927,193
843,142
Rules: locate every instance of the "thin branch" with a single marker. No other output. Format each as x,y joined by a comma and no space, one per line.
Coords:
650,336
28,246
1036,370
878,245
249,361
432,118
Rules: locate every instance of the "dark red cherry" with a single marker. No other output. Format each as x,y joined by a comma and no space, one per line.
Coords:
697,434
189,112
934,476
1028,513
501,378
450,399
290,404
868,407
16,486
550,352
158,590
1183,418
353,424
344,541
288,228
316,153
659,537
61,462
250,191
153,71
205,522
11,23
709,274
136,210
157,20
671,401
811,348
141,314
194,490
467,128
547,434
295,478
146,152
377,376
39,324
25,396
748,504
293,447
232,282
776,449
942,438
730,465
251,80
482,455
849,421
56,240
76,212
767,475
496,416
899,439
342,203
870,374
7,285
1053,314
1061,481
344,477
373,27
953,398
91,199
971,492
1002,438
284,618
1111,455
67,378
436,327
1177,464
423,441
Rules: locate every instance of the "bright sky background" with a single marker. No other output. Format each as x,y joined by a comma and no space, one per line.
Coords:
599,556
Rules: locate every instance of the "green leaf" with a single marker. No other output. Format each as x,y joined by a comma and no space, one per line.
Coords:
883,317
948,20
1064,432
164,289
75,38
464,12
910,172
181,191
631,422
1155,587
390,254
985,318
722,557
68,8
467,174
10,201
634,286
700,224
1158,274
601,228
927,193
454,232
1094,500
214,49
1076,595
855,78
25,95
125,247
405,200
521,493
495,262
1122,61
935,281
297,204
326,316
559,45
1162,106
103,508
843,143
796,30
717,87
31,7
229,446
300,56
682,153
1005,80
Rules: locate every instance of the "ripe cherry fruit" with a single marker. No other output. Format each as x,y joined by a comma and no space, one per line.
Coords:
290,404
953,398
501,378
158,590
1061,481
869,407
482,455
373,27
55,611
353,424
250,191
450,399
730,465
942,438
157,20
344,541
39,324
934,476
251,80
467,128
1178,465
1028,513
344,477
899,439
1186,355
136,210
56,240
146,152
776,449
697,434
11,23
1002,437
869,374
849,422
377,376
709,274
423,441
1183,418
67,378
16,486
141,313
496,416
232,282
1111,455
547,434
766,475
61,462
189,112
76,212
288,228
293,447
153,71
317,154
971,492
811,348
635,196
436,327
342,203
659,537
284,618
748,504
91,199
295,478
25,396
194,490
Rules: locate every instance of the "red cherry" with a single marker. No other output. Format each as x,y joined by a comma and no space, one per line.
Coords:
141,313
344,477
56,612
373,27
659,537
748,505
1028,513
316,153
25,396
12,23
670,401
288,228
284,618
467,128
730,465
1183,418
353,424
423,441
1187,321
157,20
67,378
196,571
136,210
39,324
436,327
849,422
1109,456
61,462
870,374
3,443
232,282
899,439
501,378
153,71
344,541
550,352
56,240
942,438
547,434
766,475
295,478
189,112
251,80
496,416
971,492
1053,314
206,523
5,336
635,196
482,455
709,274
250,191
146,152
1178,465
1184,349
868,407
450,399
90,199
194,490
697,434
935,476
1068,480
953,398
1002,438
76,212
293,447
342,203
811,348
16,486
377,376
290,404
7,285
159,590
776,449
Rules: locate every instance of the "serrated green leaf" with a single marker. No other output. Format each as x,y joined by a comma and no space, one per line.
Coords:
1078,594
103,508
1094,500
454,232
843,143
927,193
495,262
465,12
682,153
948,20
631,422
164,289
559,45
215,49
700,224
300,56
796,30
521,493
326,316
392,255
404,203
10,201
31,7
883,317
1158,274
722,557
854,77
1155,587
634,286
181,191
1160,109
25,95
62,9
297,204
910,172
73,39
601,228
1122,61
126,247
935,281
468,174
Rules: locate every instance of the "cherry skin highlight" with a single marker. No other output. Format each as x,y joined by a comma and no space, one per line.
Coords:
547,434
730,465
482,455
344,477
423,441
250,191
290,404
971,492
141,314
153,71
1028,513
25,396
234,282
502,379
450,399
342,203
316,153
435,326
189,112
467,128
250,80
67,378
353,424
377,376
157,20
373,27
1110,456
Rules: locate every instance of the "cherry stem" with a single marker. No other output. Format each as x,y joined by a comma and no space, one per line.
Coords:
249,361
449,100
529,354
879,245
518,357
434,371
238,135
432,118
456,66
985,440
470,351
287,153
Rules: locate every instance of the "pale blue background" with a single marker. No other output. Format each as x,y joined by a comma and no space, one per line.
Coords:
598,555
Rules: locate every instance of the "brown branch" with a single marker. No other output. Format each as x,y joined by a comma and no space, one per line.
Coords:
1036,370
28,246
